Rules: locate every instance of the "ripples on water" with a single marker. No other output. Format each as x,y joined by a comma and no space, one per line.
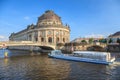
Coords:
23,65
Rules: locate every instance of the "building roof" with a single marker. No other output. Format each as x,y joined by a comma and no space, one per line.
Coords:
115,34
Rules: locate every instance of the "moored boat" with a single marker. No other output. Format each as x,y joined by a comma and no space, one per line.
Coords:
84,56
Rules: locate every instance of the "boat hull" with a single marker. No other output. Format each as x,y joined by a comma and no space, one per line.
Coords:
79,59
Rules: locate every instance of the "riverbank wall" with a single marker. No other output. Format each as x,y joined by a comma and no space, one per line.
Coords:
113,48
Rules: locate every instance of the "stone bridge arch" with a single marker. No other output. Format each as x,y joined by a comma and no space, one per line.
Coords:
96,48
46,47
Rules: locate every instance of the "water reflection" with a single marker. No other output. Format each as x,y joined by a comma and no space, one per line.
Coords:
24,65
33,68
5,61
35,53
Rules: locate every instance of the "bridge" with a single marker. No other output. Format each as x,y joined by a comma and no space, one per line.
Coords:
92,47
97,47
50,46
27,43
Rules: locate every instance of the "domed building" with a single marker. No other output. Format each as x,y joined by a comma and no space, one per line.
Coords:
49,29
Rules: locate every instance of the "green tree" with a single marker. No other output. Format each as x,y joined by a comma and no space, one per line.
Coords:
110,40
100,40
118,40
83,41
103,40
90,40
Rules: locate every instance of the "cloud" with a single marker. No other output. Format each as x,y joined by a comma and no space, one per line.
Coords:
3,38
95,36
26,18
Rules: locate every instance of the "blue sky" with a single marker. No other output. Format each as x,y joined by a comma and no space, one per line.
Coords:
85,17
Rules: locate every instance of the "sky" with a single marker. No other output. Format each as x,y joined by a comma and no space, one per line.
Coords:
86,17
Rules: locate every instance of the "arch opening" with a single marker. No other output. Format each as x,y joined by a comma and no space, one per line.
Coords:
50,40
95,48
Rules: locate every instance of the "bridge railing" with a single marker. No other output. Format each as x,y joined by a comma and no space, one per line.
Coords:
8,43
44,43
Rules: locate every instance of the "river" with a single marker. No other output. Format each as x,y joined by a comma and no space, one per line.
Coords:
24,65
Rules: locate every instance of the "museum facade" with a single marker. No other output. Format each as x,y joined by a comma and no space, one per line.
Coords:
48,29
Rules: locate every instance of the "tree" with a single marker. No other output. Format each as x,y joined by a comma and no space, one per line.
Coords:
110,40
83,41
118,40
90,40
103,40
100,40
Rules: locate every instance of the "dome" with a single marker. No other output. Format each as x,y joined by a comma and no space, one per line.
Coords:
49,17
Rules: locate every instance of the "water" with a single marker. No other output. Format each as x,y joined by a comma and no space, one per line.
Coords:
23,65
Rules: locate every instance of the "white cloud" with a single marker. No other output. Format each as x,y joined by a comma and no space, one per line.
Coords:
95,36
26,18
3,38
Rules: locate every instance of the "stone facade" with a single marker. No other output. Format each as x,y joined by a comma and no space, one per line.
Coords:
49,29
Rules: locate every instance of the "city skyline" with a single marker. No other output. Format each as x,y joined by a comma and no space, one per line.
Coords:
85,17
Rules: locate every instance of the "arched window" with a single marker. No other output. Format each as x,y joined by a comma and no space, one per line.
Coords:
42,39
63,39
50,40
57,39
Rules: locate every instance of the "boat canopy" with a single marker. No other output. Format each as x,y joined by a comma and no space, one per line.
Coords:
56,52
93,55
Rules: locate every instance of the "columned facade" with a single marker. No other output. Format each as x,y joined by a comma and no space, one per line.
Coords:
49,29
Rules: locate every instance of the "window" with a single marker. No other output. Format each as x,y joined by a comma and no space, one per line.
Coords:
30,37
57,40
36,39
57,33
43,33
50,40
42,39
49,32
63,39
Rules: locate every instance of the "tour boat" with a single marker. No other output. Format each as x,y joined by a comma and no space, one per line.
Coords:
84,56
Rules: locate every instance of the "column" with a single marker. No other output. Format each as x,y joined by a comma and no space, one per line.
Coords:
54,36
32,36
39,38
46,38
